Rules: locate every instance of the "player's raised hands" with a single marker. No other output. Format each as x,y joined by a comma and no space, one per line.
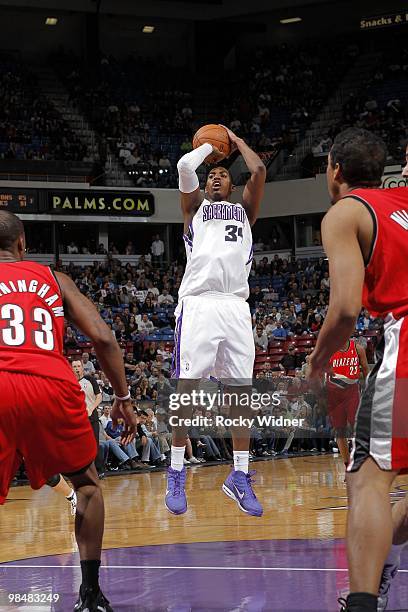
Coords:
214,157
233,138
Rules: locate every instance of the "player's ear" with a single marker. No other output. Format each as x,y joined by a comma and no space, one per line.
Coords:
21,244
233,188
337,172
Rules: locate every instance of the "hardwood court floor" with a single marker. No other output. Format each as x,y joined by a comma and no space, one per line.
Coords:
213,558
303,498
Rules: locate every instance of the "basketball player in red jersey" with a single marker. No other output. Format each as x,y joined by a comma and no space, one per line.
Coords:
43,416
343,395
365,235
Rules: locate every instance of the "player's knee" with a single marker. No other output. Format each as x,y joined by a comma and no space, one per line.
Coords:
54,480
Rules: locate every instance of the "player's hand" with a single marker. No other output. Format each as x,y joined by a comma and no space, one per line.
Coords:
214,157
233,138
124,410
315,375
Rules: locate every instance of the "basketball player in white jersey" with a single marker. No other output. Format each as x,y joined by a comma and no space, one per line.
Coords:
213,335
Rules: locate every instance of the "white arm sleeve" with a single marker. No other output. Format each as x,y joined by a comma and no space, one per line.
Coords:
187,166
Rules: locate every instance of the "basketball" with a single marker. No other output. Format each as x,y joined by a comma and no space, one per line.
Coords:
215,135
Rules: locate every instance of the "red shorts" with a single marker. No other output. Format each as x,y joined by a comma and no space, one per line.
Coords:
342,404
382,419
43,421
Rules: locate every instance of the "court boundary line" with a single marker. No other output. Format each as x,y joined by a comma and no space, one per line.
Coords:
182,567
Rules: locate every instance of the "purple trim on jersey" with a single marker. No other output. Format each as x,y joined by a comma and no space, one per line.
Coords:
191,230
251,255
176,353
187,239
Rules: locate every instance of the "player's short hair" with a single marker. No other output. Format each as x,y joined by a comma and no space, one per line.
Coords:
11,228
213,167
361,156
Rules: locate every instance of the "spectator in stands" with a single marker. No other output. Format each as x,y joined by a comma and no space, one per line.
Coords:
165,298
87,364
145,326
157,250
105,416
288,362
279,333
150,452
317,325
258,245
164,435
260,338
106,390
70,338
270,324
108,444
115,433
72,249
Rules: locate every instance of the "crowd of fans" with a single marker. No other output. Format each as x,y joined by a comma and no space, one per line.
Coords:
288,301
288,86
139,111
379,105
145,111
30,127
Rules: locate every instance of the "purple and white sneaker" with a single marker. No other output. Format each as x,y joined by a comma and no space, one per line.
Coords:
176,501
238,486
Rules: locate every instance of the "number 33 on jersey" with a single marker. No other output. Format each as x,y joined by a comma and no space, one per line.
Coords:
31,319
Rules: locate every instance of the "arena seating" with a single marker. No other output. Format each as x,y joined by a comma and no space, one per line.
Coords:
132,340
30,127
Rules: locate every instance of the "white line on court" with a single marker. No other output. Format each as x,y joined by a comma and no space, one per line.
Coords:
198,567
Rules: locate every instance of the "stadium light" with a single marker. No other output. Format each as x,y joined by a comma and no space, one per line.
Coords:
291,20
148,29
51,21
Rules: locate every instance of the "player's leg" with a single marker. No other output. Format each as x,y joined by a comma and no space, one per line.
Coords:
195,351
48,406
381,440
234,367
399,542
343,447
369,533
60,486
10,458
337,404
176,500
89,526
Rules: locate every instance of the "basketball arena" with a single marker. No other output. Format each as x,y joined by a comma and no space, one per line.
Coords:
203,306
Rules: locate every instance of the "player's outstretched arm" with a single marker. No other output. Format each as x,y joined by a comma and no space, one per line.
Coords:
189,184
340,233
254,189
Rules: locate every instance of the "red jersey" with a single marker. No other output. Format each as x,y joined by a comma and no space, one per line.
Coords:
345,366
31,321
386,278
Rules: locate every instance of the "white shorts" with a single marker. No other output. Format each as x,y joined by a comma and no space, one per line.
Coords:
213,337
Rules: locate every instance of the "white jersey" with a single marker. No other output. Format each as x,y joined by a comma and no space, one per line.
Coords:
219,251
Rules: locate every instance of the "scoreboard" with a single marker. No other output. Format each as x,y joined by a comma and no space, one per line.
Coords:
19,200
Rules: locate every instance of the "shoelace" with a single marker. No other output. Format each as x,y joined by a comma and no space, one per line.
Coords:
343,603
389,573
176,478
249,482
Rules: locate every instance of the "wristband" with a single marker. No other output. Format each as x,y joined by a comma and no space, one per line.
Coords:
122,399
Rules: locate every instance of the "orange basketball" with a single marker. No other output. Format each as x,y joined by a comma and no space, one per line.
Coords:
215,135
